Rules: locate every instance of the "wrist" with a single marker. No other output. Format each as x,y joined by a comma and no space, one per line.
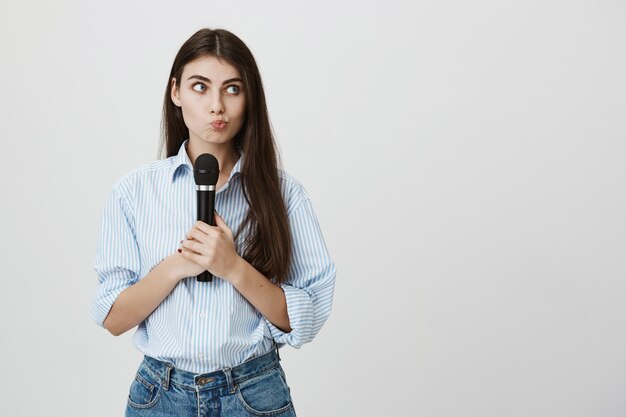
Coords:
171,267
237,272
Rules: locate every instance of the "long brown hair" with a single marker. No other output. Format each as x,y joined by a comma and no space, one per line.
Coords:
267,243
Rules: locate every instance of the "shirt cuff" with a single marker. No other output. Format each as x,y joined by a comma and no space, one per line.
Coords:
300,312
103,302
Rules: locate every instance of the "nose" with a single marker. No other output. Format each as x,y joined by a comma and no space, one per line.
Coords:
217,105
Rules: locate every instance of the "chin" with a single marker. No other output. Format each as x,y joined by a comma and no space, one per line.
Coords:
221,140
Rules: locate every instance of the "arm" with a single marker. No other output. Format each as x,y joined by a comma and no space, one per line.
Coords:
310,283
136,302
262,293
294,311
213,248
122,300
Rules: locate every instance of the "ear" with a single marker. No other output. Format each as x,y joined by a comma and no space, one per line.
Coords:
174,93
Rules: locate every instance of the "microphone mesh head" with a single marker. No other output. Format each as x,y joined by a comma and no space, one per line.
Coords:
206,170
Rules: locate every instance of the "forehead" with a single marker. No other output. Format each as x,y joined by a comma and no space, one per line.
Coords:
210,67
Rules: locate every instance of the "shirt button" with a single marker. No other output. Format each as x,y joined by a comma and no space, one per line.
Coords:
200,355
203,315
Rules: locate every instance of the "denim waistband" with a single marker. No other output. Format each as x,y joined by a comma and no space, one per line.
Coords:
226,377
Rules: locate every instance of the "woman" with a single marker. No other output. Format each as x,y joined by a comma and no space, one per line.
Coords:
211,348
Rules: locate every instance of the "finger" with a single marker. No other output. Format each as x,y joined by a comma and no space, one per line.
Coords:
205,232
197,234
202,226
194,246
219,222
193,257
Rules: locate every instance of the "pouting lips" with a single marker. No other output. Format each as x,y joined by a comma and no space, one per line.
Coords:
219,124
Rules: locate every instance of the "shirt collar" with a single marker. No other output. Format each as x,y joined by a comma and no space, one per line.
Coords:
237,168
182,160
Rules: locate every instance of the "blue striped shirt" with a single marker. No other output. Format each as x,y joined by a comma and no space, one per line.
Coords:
205,326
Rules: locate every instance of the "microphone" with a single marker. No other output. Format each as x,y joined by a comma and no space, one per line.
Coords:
206,171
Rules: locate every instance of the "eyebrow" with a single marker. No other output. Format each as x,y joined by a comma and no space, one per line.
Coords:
205,79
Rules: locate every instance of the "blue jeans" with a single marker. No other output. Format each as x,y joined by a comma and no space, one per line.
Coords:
257,387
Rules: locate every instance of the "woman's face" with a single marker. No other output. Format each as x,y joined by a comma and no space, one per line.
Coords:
211,97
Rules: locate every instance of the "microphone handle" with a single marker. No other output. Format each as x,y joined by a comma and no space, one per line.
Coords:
206,210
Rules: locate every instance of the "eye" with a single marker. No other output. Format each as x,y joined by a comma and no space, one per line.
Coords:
199,87
233,89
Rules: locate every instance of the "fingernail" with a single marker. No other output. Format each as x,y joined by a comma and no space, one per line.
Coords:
180,251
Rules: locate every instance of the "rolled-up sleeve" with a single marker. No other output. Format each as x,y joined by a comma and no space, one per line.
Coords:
117,257
310,283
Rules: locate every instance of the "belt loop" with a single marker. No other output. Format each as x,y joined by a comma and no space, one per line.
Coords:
229,379
277,352
168,371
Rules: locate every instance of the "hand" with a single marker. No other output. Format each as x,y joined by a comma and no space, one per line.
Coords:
211,248
181,267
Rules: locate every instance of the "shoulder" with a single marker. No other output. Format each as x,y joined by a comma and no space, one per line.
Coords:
293,191
138,177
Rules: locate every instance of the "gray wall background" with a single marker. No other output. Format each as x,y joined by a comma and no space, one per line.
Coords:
466,161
